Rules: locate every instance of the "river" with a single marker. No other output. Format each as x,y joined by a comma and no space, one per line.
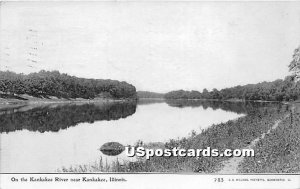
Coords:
43,139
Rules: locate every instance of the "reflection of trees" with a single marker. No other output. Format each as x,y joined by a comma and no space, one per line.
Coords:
53,119
237,107
146,101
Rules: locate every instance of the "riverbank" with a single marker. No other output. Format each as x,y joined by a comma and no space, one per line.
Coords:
23,100
278,151
235,134
232,165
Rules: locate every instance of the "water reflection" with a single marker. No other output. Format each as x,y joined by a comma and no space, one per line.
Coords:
90,126
149,101
237,107
49,118
53,118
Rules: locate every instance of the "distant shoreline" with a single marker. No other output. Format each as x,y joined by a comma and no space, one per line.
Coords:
11,103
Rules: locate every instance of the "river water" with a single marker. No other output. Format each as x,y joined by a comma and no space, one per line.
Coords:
46,138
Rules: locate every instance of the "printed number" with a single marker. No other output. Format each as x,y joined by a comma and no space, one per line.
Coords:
219,180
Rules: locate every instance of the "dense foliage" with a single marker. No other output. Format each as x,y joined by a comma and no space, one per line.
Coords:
295,64
46,83
279,90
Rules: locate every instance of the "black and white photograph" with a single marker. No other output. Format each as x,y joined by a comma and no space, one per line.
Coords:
151,88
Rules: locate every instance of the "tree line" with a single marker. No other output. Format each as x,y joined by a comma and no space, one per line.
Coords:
61,85
278,90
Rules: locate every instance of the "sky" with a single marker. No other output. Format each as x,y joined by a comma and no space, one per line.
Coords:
156,46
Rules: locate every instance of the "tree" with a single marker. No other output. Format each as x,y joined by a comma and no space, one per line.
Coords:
215,94
205,93
47,84
295,64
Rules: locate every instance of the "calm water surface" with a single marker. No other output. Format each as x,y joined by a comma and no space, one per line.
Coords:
45,139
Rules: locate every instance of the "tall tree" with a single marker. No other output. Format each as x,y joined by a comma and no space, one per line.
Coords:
294,66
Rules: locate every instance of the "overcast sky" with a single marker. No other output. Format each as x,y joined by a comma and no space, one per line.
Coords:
156,46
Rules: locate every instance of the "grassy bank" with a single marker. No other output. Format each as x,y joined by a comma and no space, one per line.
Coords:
230,135
97,166
236,134
278,151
